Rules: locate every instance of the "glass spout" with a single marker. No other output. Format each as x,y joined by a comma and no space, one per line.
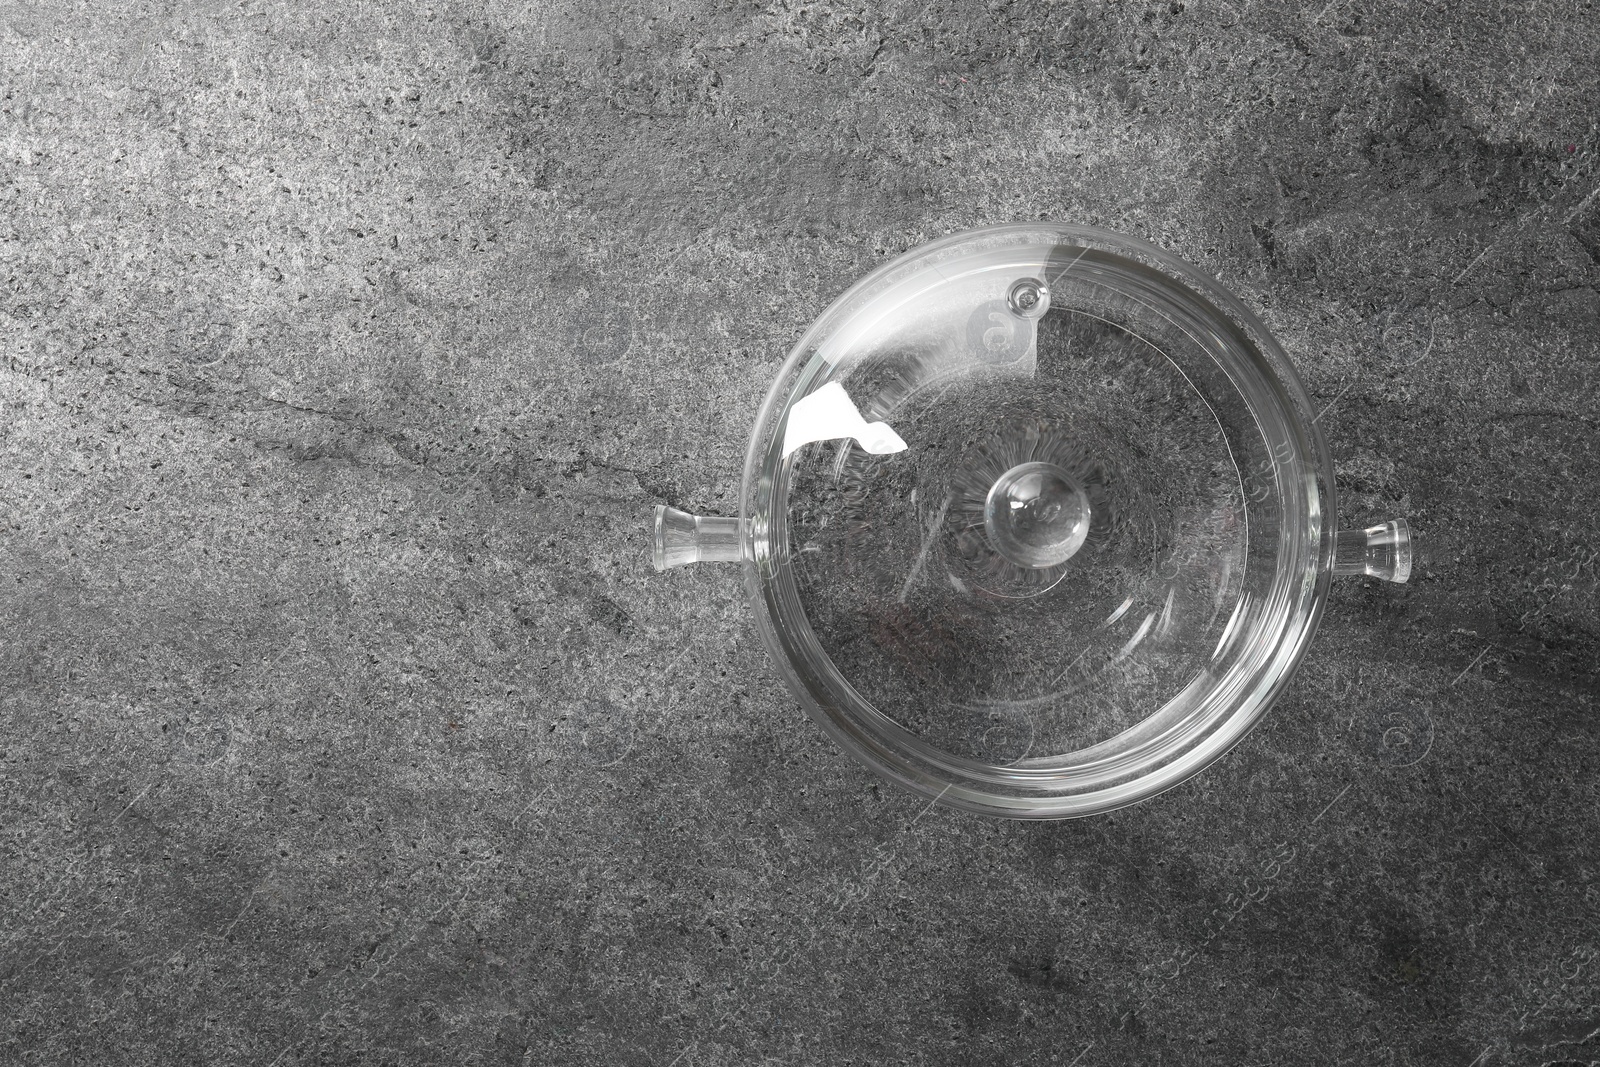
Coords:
684,538
1376,552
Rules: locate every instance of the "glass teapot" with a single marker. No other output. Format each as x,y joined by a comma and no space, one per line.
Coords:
1036,521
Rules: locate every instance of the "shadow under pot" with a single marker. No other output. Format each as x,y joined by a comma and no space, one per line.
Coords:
1036,521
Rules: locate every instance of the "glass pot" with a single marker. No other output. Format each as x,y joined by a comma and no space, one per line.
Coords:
1036,521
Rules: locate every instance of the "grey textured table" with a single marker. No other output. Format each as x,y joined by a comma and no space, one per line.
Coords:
347,348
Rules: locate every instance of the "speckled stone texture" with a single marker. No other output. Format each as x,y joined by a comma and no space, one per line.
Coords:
347,346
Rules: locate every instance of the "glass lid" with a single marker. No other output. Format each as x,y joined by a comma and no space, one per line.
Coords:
1035,503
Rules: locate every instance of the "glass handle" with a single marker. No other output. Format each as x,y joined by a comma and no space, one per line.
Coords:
684,538
1376,552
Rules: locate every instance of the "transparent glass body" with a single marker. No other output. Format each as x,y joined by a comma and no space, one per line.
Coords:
1035,521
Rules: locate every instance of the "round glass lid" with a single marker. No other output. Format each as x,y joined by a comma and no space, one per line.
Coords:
1029,501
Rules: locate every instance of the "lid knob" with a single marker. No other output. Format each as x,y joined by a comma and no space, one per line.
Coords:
1037,515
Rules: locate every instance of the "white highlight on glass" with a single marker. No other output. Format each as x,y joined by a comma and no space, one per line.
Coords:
828,415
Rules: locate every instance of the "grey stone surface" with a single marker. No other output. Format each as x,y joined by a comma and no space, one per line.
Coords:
346,347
